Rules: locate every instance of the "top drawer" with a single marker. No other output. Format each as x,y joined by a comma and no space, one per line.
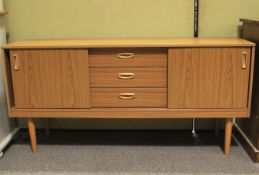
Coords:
128,57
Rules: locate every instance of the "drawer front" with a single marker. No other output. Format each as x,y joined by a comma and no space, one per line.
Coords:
129,97
128,77
128,57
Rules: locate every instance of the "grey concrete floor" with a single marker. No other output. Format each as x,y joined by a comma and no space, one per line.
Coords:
126,152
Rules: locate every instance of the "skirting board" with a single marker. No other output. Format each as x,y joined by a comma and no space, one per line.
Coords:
246,143
7,140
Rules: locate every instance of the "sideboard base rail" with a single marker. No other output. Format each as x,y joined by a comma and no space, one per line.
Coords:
128,113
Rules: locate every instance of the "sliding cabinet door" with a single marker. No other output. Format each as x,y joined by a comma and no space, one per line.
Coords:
57,78
208,78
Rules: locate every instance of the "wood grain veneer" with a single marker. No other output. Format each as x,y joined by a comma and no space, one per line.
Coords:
50,78
143,57
138,77
208,77
129,113
122,43
143,97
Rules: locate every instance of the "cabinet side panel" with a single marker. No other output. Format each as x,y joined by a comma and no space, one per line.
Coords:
8,79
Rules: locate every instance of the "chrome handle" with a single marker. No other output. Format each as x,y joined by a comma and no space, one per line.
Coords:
126,76
16,62
127,96
125,55
244,60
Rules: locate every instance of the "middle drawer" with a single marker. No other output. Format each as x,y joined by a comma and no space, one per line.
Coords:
128,77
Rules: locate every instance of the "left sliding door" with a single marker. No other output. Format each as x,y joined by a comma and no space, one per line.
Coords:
50,78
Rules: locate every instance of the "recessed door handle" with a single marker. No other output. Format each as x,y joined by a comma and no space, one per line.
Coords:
16,62
126,75
127,96
125,55
244,60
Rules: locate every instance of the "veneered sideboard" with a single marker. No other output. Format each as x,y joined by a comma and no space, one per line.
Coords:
129,78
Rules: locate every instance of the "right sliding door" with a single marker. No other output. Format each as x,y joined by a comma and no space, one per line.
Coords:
208,78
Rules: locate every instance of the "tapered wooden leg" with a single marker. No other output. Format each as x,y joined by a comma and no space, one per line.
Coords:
228,134
32,131
46,125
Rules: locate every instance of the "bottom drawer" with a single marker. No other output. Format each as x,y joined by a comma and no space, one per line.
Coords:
129,97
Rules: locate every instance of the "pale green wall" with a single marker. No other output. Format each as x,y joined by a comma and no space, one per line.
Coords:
220,18
32,19
43,19
98,18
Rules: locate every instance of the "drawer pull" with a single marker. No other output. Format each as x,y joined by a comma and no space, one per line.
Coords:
16,62
126,76
244,60
125,55
127,96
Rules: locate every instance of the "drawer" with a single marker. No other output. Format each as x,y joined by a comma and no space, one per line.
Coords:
129,97
128,77
128,57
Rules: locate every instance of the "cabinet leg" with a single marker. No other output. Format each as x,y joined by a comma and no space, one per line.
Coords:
46,125
228,134
32,132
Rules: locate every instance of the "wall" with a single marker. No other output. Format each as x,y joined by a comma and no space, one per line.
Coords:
220,18
30,19
99,18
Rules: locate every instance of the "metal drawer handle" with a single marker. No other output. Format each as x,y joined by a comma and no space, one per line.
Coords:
244,60
126,76
125,55
127,96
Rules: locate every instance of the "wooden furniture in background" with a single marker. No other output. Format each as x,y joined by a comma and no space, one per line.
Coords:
248,129
129,78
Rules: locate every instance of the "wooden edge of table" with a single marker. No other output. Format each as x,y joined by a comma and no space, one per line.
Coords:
120,43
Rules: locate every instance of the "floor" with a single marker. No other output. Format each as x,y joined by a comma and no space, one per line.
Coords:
125,152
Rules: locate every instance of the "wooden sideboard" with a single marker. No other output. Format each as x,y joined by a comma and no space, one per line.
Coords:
129,78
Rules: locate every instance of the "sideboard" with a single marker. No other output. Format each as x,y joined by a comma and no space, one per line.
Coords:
129,78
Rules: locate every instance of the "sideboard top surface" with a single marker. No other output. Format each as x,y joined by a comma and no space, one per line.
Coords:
111,43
